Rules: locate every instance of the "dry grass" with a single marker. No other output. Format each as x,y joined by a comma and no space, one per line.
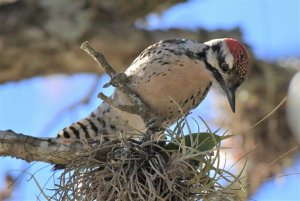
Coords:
179,167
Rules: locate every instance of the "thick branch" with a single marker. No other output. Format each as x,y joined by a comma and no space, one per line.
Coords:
50,150
68,59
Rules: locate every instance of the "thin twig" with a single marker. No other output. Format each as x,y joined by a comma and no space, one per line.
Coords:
120,81
267,115
99,58
133,109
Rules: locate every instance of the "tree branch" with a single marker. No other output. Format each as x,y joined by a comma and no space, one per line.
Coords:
99,58
118,80
50,150
68,59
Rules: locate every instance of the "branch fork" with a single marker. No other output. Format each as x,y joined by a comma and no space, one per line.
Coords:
119,80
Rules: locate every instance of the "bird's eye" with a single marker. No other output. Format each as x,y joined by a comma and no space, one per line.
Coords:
225,67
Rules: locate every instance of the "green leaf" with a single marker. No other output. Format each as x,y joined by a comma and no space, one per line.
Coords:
201,141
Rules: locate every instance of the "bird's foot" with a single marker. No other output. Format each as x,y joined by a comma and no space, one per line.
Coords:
154,125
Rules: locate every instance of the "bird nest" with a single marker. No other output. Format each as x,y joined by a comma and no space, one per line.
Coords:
177,167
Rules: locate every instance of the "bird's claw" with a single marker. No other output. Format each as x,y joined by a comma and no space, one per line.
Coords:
154,125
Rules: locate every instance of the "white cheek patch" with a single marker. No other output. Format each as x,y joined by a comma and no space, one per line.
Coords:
229,60
228,56
211,58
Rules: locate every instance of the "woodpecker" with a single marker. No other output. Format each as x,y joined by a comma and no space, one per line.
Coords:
172,77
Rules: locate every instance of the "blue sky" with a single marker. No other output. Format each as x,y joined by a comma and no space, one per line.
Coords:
31,106
271,27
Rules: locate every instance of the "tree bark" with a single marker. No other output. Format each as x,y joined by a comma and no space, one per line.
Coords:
33,31
49,150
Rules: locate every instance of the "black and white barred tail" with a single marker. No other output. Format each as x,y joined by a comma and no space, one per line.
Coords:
88,127
102,122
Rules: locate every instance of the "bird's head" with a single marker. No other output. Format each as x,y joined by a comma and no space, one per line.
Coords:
227,59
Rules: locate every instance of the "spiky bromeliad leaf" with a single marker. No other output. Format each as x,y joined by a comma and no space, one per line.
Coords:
202,141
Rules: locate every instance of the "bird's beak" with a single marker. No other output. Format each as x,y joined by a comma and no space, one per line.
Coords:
230,92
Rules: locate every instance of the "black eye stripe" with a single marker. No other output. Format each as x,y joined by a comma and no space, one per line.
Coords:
216,48
221,59
215,73
223,65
